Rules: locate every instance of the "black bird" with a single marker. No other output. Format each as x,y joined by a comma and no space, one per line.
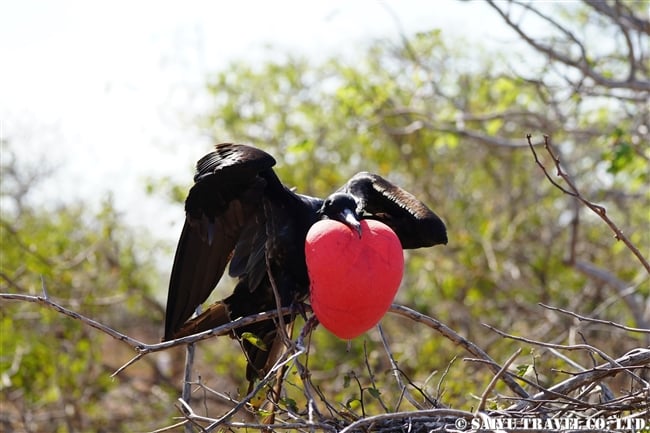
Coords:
238,211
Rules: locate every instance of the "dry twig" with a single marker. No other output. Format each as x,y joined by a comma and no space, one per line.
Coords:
556,399
493,382
575,193
590,319
457,339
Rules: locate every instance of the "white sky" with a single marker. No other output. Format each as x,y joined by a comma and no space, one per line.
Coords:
106,91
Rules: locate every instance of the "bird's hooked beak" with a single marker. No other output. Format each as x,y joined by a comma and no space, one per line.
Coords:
350,219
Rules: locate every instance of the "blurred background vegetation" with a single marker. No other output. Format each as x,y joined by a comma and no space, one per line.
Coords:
445,120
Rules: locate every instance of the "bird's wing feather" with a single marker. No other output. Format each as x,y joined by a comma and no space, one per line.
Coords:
226,197
414,223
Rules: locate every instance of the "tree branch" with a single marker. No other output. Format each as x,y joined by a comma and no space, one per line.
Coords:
457,339
589,319
613,363
144,348
574,192
635,359
622,19
582,64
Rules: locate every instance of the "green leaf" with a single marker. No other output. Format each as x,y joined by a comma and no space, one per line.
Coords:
621,157
290,404
254,340
346,381
353,403
522,369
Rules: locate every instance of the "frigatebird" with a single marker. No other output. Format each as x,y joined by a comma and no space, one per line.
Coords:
239,212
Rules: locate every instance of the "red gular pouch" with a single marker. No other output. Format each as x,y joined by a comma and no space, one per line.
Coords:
353,279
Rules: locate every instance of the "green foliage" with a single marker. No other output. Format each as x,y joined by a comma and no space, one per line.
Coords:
55,370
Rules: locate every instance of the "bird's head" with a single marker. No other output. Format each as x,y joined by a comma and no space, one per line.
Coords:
342,207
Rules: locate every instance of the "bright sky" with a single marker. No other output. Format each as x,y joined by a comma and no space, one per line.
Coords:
106,91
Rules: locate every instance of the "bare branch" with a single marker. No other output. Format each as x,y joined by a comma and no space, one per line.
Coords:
581,64
435,418
586,347
186,396
620,17
573,192
494,380
589,319
396,372
457,339
144,348
633,359
482,138
90,322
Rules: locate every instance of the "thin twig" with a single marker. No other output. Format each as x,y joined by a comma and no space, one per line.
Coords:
46,301
186,396
580,63
494,380
635,358
304,373
170,427
145,348
131,361
284,359
589,319
371,376
396,371
585,380
443,376
457,339
586,347
574,192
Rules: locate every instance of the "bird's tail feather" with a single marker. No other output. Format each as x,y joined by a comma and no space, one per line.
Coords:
260,356
217,314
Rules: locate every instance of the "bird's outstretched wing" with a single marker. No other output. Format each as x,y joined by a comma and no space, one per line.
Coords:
227,194
414,223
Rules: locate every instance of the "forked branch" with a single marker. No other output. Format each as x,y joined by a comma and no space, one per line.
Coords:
573,191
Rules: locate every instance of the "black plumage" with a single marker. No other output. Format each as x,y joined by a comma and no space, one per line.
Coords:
239,212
